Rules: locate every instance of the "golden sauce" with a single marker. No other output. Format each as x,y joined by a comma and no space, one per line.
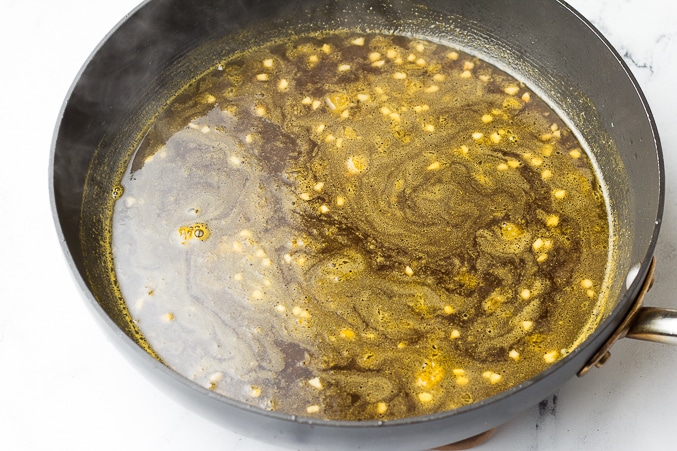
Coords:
360,227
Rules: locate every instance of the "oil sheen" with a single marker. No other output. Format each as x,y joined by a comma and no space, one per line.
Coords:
360,226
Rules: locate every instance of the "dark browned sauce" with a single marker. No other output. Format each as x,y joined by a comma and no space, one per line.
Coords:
360,227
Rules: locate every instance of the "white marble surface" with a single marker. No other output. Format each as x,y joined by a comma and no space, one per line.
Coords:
63,386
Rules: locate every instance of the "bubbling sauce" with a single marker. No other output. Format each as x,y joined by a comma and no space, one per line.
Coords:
360,226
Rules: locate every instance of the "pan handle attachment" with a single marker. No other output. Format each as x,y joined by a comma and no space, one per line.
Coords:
642,323
654,324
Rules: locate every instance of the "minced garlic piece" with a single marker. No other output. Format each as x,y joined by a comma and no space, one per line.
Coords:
492,377
511,90
254,391
356,164
586,283
425,397
537,244
559,194
348,334
550,357
315,382
552,221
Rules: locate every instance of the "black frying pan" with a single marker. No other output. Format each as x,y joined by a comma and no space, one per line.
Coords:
165,43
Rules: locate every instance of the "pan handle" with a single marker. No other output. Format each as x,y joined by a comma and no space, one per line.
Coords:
654,324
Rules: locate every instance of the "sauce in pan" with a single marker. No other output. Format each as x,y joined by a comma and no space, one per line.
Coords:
358,227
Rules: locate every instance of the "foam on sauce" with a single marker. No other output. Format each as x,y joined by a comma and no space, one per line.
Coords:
359,227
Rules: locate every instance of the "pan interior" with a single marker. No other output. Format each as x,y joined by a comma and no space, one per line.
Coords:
439,236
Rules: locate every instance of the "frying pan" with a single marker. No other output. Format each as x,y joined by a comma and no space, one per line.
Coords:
164,44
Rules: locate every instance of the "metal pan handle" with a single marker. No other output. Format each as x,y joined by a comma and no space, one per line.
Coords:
654,324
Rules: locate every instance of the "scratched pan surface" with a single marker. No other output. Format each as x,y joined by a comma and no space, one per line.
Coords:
165,43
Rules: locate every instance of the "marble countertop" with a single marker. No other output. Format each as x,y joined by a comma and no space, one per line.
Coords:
63,386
